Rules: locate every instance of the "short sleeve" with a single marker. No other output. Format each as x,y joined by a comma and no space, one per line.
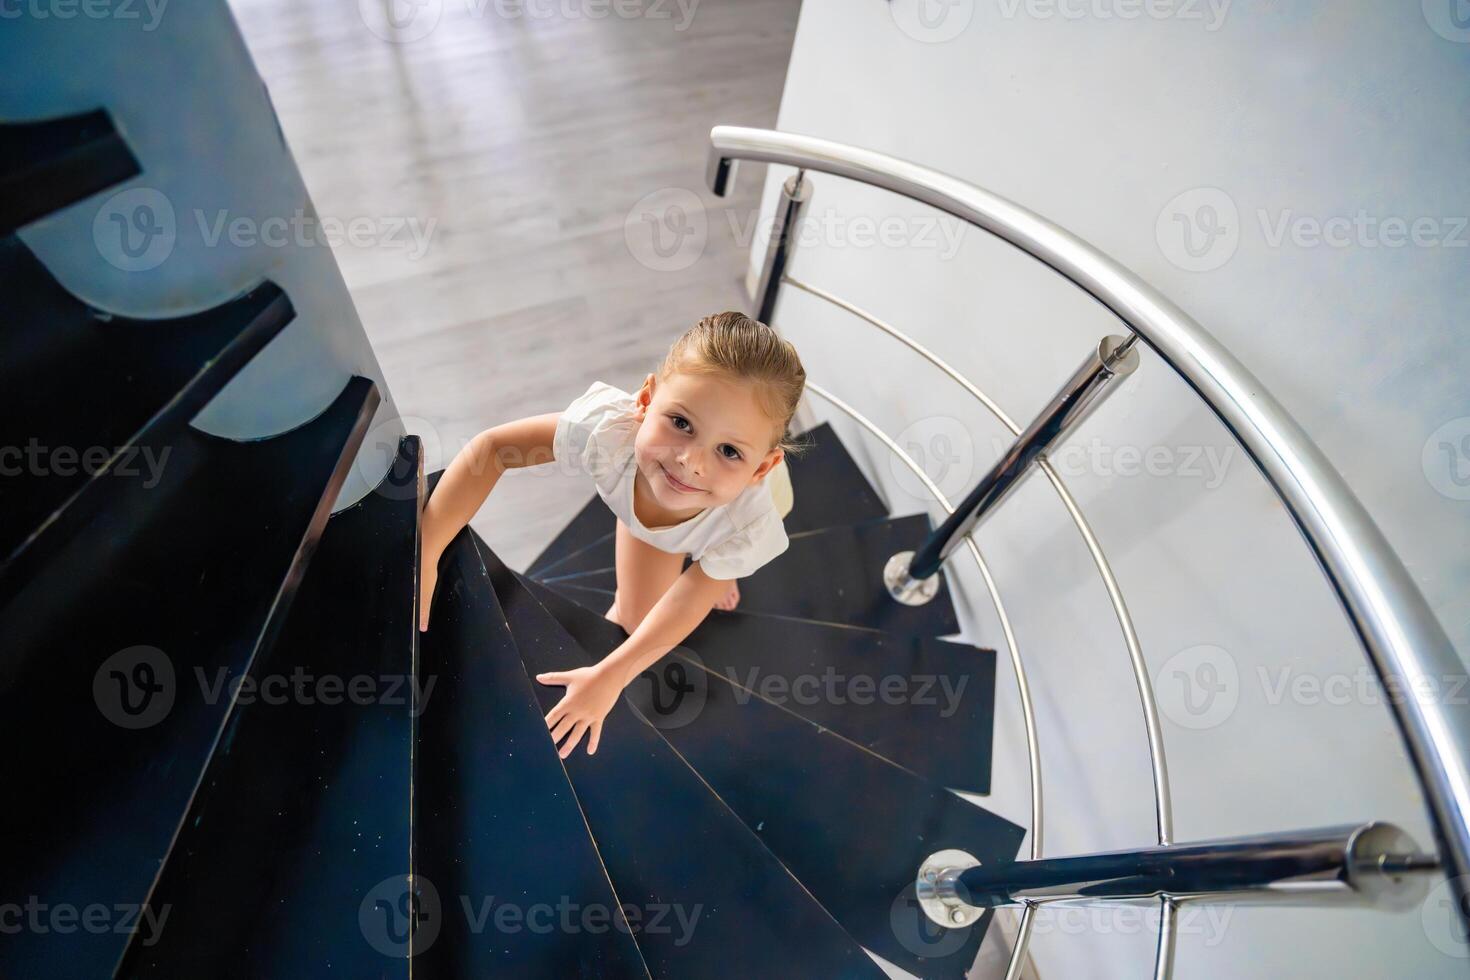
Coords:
747,549
596,430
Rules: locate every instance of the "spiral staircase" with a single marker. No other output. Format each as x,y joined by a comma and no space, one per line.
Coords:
156,617
233,754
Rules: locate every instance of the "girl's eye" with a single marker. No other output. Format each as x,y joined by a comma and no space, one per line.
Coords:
676,419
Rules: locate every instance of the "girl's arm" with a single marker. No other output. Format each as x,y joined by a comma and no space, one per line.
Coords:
468,480
592,691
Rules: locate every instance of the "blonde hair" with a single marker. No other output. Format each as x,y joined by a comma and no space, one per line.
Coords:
740,348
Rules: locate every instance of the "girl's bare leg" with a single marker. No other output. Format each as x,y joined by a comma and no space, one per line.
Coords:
644,574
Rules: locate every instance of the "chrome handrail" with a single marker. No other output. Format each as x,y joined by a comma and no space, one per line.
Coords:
1406,644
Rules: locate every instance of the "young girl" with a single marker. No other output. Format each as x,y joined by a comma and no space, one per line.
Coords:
684,464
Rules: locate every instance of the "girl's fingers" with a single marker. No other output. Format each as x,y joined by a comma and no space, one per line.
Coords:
594,738
553,677
556,712
562,727
573,739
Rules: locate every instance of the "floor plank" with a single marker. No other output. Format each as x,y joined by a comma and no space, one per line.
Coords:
518,147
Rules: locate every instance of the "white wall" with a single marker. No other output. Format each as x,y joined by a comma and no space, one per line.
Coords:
1303,112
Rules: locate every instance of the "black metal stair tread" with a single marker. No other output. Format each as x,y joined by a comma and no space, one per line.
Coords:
495,820
852,827
48,164
832,575
935,717
163,593
828,491
599,599
303,812
64,360
591,525
730,909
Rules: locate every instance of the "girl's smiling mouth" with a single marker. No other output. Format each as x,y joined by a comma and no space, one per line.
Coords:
681,487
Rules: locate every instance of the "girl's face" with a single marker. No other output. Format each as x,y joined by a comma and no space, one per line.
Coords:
705,432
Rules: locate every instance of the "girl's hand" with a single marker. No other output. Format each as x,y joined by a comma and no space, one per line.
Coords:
428,578
591,694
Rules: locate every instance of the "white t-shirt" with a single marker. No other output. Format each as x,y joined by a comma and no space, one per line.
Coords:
595,435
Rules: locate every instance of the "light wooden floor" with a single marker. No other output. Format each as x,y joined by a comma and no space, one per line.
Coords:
526,142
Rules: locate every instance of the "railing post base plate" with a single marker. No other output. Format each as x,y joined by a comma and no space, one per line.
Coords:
935,889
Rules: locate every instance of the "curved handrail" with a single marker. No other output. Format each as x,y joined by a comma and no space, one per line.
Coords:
1403,639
